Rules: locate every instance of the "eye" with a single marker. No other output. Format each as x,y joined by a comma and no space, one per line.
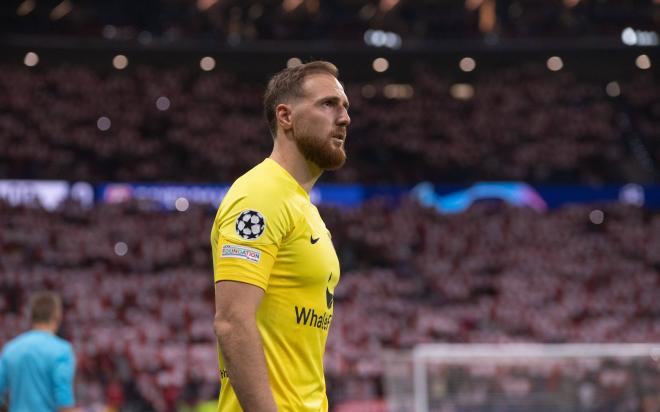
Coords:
328,103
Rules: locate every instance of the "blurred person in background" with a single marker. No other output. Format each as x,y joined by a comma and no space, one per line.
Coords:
37,367
275,266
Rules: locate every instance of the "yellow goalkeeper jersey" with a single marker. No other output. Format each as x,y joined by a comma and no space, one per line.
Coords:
268,233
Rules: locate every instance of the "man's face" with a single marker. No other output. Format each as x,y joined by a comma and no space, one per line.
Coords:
320,119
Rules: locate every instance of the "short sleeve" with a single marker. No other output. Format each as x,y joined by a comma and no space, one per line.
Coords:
3,379
249,233
63,373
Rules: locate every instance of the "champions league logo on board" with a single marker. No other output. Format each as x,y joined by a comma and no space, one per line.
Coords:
250,224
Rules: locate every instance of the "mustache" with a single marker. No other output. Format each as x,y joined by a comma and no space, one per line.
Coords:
341,134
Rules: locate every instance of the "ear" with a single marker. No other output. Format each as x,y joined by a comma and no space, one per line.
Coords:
283,114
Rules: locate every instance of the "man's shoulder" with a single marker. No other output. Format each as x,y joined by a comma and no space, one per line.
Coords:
38,339
265,185
265,194
63,344
12,344
19,343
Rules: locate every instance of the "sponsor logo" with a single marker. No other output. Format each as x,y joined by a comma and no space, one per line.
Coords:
309,317
313,319
311,239
250,224
241,252
329,297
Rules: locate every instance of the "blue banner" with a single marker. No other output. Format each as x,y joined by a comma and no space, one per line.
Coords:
444,198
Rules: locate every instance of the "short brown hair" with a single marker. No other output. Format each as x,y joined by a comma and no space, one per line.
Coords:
43,306
287,84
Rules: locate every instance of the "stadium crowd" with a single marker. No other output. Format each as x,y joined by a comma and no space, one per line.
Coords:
137,288
178,124
136,281
252,21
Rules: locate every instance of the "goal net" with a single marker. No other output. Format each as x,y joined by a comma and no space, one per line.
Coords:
524,378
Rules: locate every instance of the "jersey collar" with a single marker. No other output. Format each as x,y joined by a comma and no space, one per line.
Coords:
277,168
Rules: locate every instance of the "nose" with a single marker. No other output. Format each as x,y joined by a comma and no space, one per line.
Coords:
344,119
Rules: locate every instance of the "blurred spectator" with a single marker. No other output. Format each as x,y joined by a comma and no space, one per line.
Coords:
178,124
492,274
251,21
37,367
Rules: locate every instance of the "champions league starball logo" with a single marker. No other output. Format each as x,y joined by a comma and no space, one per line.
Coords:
250,224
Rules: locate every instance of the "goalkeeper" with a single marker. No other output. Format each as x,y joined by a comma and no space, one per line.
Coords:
274,263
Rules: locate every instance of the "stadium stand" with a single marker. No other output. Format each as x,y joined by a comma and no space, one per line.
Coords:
266,20
136,280
178,124
139,318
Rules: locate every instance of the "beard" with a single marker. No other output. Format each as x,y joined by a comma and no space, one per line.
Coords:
320,151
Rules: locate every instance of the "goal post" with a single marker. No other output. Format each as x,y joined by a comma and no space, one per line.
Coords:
524,377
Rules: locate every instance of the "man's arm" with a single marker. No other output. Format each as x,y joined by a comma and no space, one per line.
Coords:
239,339
4,396
63,374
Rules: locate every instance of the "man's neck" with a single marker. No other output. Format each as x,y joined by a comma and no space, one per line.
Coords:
305,172
45,327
